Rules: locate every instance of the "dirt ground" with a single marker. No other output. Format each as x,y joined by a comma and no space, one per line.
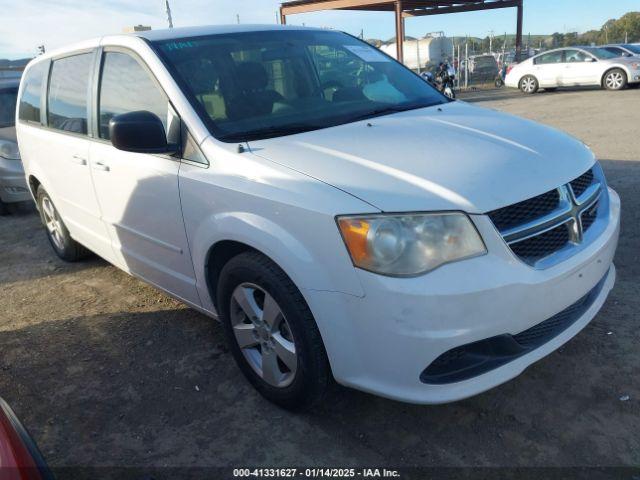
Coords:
106,371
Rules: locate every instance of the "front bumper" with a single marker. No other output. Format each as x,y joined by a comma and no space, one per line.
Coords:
381,343
13,185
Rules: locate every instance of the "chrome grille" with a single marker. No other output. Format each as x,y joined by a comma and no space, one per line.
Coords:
589,216
537,228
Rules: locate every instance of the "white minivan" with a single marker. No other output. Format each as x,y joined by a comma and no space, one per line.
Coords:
339,216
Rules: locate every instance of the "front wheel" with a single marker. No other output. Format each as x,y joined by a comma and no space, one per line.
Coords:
65,247
615,79
272,333
529,85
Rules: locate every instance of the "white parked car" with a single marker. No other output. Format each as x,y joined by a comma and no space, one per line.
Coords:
361,227
575,66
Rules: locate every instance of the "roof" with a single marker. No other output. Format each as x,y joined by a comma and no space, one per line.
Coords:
410,7
185,32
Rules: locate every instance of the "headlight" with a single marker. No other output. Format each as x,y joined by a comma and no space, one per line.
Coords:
9,150
410,244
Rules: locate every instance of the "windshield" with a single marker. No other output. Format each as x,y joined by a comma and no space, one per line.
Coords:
601,53
256,85
633,48
8,107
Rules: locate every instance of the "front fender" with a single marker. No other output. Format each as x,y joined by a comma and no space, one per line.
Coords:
325,266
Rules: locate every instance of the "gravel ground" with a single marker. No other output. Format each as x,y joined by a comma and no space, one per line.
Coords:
106,371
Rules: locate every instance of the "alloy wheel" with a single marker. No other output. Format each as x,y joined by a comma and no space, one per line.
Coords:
53,223
528,85
263,335
614,81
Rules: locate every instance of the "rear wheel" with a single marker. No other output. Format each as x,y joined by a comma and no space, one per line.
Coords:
272,333
529,84
65,247
615,79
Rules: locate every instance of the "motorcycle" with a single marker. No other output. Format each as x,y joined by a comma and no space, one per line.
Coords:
445,82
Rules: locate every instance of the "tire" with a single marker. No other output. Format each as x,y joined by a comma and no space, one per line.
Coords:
615,79
529,84
4,209
63,245
301,380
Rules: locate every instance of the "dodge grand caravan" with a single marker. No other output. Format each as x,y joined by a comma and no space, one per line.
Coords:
340,217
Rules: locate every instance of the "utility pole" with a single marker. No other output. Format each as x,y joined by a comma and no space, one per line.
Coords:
238,18
168,10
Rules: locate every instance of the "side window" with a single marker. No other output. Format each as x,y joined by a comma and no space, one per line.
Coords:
126,86
29,108
551,57
614,50
573,56
68,90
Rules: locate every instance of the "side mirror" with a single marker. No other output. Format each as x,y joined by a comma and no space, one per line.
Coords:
139,132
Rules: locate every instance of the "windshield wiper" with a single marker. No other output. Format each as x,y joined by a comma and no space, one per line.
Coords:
270,132
379,112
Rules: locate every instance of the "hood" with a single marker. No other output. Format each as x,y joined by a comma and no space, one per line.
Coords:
8,133
453,157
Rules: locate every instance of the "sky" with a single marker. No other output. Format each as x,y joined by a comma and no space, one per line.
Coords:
26,24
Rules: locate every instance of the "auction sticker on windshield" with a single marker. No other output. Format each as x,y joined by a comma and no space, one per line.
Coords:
368,54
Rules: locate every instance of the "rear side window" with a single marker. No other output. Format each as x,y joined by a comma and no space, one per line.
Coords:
126,86
29,108
68,92
572,56
551,57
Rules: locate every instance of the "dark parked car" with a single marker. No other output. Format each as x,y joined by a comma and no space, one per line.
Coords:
13,186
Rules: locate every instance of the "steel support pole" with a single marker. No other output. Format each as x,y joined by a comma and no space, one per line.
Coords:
399,31
519,32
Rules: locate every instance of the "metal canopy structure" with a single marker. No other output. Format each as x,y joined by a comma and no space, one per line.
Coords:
405,9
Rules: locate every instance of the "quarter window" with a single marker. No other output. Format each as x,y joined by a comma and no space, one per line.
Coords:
68,92
126,86
29,108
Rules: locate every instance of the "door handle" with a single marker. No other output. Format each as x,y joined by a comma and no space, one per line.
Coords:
100,166
79,160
